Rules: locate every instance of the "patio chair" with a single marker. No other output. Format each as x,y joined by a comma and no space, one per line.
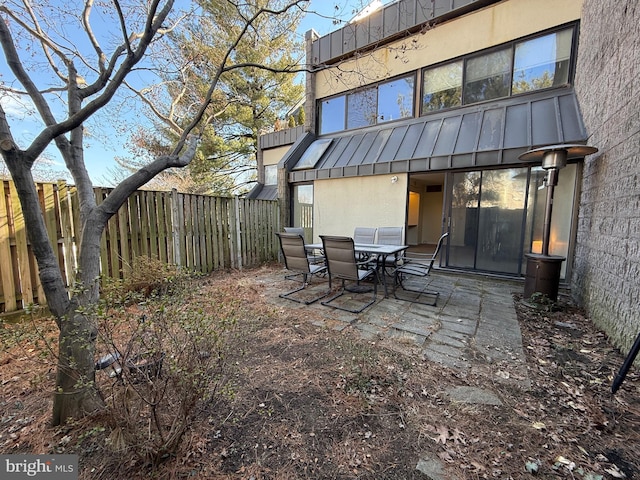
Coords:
417,265
313,257
390,236
297,261
342,265
364,235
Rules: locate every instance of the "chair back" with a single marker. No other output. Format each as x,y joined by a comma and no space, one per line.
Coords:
296,230
364,235
390,236
294,253
340,256
437,250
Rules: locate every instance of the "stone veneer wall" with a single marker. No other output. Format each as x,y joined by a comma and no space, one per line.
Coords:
606,276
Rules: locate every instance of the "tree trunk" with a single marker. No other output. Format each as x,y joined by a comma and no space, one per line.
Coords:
76,392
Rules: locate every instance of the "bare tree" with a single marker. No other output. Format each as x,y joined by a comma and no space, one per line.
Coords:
43,37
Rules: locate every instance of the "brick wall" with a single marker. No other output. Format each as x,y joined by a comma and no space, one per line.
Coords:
606,278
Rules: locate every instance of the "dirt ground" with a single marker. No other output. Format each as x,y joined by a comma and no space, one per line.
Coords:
308,402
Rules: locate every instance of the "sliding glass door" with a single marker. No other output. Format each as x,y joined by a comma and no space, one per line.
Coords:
495,217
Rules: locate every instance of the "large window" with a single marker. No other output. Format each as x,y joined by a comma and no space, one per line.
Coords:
385,102
542,62
332,114
519,67
497,216
487,77
442,87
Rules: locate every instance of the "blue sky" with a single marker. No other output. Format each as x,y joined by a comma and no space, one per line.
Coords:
103,142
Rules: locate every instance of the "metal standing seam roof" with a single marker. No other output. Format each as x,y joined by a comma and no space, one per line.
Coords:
264,192
489,134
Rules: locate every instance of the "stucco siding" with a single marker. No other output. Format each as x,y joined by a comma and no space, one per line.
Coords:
340,205
606,277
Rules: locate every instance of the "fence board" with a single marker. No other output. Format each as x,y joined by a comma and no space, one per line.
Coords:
123,235
153,225
22,249
6,263
196,232
68,231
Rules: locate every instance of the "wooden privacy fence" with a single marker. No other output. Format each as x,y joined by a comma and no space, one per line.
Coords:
198,232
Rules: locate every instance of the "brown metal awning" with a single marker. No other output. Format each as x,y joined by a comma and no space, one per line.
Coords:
478,136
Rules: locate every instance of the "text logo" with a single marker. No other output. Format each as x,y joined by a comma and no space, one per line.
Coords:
51,467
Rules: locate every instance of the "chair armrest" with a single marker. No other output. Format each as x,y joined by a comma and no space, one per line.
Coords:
415,257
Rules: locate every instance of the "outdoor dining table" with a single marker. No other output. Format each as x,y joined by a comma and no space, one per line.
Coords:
379,250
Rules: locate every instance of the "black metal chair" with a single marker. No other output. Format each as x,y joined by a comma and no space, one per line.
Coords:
297,261
342,265
416,265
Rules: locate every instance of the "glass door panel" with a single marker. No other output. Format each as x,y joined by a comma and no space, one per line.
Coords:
502,209
303,209
561,218
463,223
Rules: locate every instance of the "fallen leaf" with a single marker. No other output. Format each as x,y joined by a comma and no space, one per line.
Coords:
614,471
592,476
443,435
458,437
577,406
539,425
446,456
532,466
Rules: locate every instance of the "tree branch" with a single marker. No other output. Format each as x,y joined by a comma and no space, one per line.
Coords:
92,38
125,188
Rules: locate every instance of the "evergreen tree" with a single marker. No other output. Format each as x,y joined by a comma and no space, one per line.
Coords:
249,101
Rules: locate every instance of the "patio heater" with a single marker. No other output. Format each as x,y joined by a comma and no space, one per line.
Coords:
543,270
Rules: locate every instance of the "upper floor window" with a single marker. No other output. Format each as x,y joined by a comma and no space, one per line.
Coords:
487,77
542,62
271,174
332,115
442,87
385,102
523,66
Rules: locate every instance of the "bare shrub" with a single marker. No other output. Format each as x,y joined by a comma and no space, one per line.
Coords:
163,357
147,276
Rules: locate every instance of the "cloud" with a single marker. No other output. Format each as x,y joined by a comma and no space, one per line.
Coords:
17,105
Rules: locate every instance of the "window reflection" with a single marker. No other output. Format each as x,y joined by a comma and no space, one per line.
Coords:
271,174
395,100
332,115
487,76
542,62
361,109
442,87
